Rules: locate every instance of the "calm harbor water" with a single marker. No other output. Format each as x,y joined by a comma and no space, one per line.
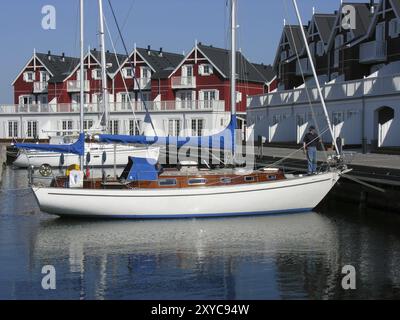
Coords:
297,256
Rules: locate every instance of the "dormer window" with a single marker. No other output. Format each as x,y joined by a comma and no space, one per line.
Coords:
128,73
205,69
96,74
29,76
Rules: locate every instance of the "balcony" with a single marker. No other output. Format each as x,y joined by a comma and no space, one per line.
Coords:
183,82
119,107
75,86
371,86
40,87
142,83
303,67
374,51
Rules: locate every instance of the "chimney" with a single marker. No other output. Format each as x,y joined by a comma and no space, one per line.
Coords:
49,55
148,50
160,52
63,56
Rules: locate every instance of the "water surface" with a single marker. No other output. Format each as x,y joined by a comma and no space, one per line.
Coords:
297,256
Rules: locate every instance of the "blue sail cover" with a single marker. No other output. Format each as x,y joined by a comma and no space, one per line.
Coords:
223,140
76,148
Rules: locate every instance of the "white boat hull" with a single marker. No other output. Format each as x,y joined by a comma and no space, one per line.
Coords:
291,195
38,158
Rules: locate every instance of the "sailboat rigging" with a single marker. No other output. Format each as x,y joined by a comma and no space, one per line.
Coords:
146,190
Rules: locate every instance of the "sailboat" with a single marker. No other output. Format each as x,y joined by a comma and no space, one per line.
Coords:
97,154
145,190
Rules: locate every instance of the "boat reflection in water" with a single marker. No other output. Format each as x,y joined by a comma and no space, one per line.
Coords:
293,256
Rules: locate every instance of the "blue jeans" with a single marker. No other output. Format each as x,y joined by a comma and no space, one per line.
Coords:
312,159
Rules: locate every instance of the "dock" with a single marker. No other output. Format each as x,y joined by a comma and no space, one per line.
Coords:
379,170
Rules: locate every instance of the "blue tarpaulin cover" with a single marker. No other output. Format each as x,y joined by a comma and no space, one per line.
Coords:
222,140
76,148
141,169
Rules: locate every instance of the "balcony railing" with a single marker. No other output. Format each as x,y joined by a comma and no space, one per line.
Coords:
377,86
183,82
144,84
40,87
373,51
75,85
137,106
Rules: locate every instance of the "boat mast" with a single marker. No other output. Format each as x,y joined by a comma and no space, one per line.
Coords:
82,80
103,67
233,70
310,58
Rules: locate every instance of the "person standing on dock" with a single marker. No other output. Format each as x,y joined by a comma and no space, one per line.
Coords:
310,142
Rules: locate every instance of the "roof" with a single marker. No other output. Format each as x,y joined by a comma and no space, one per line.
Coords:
163,64
295,39
266,71
221,59
325,24
59,66
111,61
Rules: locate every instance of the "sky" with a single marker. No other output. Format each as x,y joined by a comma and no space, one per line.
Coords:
173,25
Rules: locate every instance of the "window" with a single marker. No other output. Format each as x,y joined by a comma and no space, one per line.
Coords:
29,76
225,180
44,76
114,126
320,48
87,124
65,126
394,28
96,74
249,179
351,114
135,127
167,182
128,73
174,127
205,69
275,119
283,55
197,181
126,99
300,119
12,129
197,127
349,36
338,117
32,129
145,72
25,100
208,96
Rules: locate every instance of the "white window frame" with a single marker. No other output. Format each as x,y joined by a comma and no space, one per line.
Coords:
32,129
96,74
27,78
202,69
125,73
174,127
114,126
67,125
134,127
196,128
12,129
145,73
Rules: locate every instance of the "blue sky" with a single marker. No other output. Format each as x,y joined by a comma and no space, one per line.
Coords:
171,24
